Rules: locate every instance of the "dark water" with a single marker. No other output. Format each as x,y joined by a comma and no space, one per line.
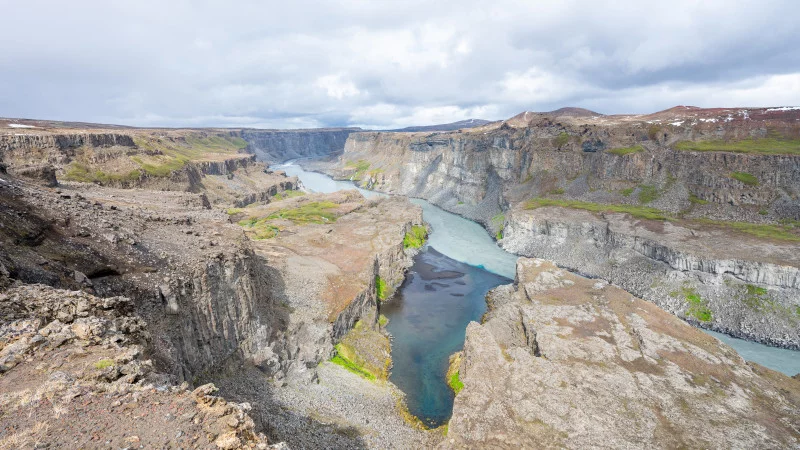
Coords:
428,318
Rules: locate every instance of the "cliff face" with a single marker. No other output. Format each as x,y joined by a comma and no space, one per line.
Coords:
476,172
644,164
275,146
735,284
562,361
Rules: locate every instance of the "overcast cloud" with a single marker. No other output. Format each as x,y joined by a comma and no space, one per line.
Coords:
374,64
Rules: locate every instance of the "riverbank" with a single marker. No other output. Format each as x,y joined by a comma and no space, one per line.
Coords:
501,262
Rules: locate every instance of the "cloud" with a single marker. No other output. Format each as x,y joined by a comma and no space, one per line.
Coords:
387,64
336,87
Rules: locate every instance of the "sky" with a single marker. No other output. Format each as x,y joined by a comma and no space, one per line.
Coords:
387,64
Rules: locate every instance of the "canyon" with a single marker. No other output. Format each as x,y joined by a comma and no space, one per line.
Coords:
694,209
176,270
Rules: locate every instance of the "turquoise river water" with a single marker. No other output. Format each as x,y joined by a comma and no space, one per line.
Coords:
445,290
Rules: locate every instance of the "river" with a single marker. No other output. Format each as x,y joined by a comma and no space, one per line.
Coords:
445,290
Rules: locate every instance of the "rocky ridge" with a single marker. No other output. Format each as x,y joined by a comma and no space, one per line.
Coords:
579,363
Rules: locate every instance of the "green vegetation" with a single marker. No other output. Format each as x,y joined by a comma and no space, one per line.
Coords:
641,212
772,145
455,383
763,212
416,237
627,192
557,191
233,211
172,155
361,166
340,359
697,200
698,308
314,212
82,173
562,139
756,290
167,166
382,288
779,232
383,320
103,363
260,228
626,150
647,193
499,221
745,178
758,299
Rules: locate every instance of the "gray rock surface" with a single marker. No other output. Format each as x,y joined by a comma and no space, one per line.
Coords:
563,361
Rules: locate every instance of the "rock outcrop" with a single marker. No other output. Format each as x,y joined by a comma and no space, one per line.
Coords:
747,286
563,361
276,146
73,374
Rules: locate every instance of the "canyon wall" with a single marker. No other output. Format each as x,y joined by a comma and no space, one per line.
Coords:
275,146
748,281
740,286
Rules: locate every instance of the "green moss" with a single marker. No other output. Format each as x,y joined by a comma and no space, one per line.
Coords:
755,290
773,145
698,307
314,212
648,193
499,235
351,366
697,200
745,178
260,228
103,363
382,288
641,212
557,191
455,382
166,168
361,166
562,139
626,192
416,237
626,150
763,212
383,320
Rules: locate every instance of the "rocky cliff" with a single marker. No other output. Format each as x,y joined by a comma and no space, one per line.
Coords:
605,159
719,186
733,283
562,361
275,146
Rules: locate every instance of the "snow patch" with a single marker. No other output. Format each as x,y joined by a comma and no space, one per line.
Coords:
19,125
677,124
785,108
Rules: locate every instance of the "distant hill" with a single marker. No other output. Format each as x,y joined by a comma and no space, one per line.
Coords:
469,123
